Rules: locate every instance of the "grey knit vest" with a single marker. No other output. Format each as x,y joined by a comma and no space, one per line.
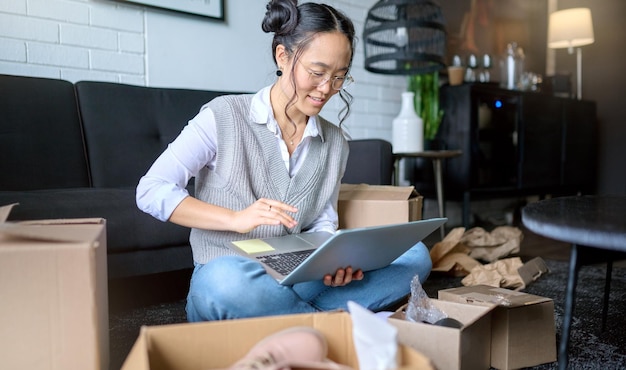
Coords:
249,167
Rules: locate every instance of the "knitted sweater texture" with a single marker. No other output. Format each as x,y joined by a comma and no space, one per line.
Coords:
249,167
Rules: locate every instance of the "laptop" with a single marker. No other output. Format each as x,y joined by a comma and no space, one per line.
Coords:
296,258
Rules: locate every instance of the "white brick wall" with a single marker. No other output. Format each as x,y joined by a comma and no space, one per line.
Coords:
73,40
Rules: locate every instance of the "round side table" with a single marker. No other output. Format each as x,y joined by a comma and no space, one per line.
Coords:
596,228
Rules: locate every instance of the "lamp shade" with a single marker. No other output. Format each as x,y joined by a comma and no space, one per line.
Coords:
404,37
570,28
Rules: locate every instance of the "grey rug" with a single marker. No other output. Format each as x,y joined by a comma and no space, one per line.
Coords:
590,347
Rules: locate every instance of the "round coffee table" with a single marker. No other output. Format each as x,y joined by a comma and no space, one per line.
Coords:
587,222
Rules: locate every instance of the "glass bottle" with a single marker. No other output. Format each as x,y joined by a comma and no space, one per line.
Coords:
512,66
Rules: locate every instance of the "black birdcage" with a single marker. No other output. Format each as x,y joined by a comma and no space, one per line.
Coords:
404,37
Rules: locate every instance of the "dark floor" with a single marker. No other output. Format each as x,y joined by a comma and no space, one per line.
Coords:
130,293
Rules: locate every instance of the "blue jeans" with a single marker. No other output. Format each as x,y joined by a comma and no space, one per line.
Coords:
236,287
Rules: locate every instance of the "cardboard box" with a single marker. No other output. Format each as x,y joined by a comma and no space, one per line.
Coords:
53,289
522,326
467,348
362,205
218,344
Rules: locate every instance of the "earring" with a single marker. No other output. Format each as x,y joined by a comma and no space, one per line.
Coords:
279,72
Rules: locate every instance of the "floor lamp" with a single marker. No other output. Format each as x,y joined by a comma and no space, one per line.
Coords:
571,28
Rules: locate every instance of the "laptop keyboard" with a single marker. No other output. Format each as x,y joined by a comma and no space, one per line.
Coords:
284,263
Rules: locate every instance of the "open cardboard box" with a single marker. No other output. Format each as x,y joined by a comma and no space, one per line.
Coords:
522,324
53,293
362,205
467,348
218,344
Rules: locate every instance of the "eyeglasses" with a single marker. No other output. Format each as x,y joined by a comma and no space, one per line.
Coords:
320,78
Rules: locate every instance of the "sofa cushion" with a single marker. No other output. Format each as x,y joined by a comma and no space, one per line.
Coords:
128,229
41,139
370,162
127,127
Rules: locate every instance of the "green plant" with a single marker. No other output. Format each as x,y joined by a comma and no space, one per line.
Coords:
426,89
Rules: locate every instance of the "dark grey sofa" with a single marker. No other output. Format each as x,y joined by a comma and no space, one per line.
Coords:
78,150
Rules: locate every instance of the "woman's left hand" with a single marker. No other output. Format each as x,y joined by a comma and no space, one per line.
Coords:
343,277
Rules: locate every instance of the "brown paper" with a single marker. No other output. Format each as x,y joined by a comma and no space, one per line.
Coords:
492,246
449,256
502,273
459,252
456,264
449,244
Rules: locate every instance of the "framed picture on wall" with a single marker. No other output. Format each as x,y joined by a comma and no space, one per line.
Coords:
205,8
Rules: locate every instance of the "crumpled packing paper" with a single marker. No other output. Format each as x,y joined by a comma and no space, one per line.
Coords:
460,251
452,257
502,273
492,246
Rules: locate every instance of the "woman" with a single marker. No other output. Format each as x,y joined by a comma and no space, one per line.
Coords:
267,165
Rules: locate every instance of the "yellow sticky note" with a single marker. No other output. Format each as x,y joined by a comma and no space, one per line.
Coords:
252,246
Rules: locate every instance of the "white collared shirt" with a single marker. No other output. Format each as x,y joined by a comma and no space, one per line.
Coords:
162,189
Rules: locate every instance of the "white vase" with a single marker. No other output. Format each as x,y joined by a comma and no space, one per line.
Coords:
408,127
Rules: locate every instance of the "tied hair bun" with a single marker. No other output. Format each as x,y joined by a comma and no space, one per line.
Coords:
281,17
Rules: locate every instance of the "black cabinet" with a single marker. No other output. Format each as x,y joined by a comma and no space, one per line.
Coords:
516,143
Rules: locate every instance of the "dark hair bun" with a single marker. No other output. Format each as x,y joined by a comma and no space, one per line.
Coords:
281,16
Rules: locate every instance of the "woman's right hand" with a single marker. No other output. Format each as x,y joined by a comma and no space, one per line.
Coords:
343,276
264,212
